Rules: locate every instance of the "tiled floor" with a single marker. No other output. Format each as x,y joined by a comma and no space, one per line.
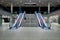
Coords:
29,33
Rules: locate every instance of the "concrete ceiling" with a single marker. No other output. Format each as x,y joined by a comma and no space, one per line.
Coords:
29,3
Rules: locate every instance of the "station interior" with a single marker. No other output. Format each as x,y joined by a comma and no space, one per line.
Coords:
29,19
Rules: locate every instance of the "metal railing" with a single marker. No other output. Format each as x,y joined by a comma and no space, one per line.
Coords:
18,21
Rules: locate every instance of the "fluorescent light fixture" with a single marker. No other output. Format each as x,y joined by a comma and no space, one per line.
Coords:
29,3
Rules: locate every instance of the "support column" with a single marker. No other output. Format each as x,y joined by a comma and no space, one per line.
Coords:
48,13
0,20
59,19
11,17
11,8
48,8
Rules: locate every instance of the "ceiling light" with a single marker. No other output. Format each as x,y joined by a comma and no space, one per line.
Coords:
30,3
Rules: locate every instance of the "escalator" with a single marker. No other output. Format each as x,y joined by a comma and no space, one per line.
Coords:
42,21
18,21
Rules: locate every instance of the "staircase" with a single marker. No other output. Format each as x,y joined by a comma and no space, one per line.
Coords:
30,20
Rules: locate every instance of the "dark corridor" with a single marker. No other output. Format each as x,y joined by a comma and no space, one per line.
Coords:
30,9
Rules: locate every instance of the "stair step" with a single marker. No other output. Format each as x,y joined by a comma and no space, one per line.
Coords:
30,21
